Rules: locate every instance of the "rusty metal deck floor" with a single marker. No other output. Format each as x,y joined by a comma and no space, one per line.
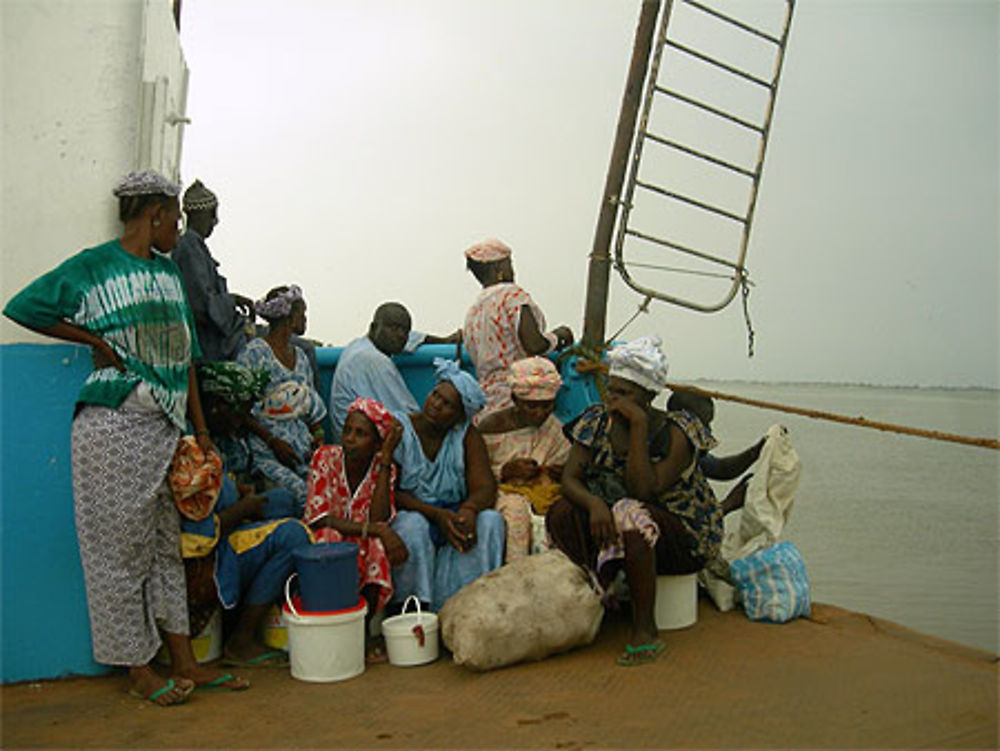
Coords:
839,679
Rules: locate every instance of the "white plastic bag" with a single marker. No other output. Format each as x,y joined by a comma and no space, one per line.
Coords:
770,495
529,609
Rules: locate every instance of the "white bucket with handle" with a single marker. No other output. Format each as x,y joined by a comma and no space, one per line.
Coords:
324,647
411,638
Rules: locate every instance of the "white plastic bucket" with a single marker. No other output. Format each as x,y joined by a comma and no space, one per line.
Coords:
676,601
325,647
402,639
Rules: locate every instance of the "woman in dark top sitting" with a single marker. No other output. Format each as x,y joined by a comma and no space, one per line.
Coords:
634,495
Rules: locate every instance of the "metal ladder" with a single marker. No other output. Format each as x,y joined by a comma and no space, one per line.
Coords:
699,148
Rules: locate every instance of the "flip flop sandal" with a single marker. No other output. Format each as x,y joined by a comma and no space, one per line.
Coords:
166,688
277,658
226,682
641,655
376,655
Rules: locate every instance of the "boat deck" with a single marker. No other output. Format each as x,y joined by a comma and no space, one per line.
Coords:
838,679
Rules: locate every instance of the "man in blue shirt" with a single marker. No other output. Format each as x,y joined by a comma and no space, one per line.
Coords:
365,367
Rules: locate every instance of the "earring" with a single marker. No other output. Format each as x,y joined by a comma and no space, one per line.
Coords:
156,222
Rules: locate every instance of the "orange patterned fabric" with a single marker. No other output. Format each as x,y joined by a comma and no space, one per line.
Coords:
195,479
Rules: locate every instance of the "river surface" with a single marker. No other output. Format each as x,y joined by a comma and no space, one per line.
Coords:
895,526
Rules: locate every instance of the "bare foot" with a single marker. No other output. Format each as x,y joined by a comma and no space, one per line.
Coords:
145,683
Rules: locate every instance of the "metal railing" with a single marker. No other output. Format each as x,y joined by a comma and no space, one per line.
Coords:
633,232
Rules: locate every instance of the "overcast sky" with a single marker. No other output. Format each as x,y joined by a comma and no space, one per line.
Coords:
358,147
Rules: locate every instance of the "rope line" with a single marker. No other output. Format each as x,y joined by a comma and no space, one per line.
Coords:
590,366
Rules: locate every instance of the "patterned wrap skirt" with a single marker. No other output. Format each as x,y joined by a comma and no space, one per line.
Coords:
128,530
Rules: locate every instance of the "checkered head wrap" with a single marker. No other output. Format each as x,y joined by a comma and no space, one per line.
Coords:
145,183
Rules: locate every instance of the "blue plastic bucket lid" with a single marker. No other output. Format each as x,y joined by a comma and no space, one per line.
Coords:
325,551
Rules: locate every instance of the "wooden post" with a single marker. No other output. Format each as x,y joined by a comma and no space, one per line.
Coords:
599,268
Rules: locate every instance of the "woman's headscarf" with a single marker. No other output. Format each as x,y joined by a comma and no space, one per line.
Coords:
145,183
279,306
640,361
235,383
488,251
535,379
473,398
375,411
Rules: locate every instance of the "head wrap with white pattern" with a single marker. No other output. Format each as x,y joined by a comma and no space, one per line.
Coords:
488,251
279,306
534,378
640,361
375,411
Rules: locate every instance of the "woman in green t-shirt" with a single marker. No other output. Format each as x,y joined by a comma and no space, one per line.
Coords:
125,299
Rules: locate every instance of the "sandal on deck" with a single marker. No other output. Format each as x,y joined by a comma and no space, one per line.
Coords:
641,655
275,659
166,688
375,652
225,682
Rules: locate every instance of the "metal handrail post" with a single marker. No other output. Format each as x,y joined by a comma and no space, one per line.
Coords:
599,267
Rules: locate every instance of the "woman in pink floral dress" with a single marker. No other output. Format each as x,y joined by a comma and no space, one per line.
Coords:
350,497
504,324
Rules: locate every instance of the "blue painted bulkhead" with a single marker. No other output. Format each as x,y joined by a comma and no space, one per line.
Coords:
44,628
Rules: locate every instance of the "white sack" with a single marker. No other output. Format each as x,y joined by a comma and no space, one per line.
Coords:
770,495
769,498
529,609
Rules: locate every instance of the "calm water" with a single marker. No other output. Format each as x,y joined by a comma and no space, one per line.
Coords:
899,527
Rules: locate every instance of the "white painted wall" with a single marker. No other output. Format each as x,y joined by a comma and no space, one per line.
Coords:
72,73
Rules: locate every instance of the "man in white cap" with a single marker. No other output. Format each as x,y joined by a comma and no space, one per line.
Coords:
219,315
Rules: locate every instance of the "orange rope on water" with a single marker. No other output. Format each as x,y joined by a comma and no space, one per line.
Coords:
862,422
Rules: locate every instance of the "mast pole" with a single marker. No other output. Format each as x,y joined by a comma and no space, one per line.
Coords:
599,268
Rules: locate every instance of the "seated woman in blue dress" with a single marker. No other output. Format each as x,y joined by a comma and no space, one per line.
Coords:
240,555
292,409
446,493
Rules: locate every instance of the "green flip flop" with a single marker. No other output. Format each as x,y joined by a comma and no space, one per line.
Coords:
278,658
166,688
225,682
641,655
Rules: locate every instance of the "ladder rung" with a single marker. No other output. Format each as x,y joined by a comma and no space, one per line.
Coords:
683,248
717,63
692,201
701,155
728,19
709,108
678,270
